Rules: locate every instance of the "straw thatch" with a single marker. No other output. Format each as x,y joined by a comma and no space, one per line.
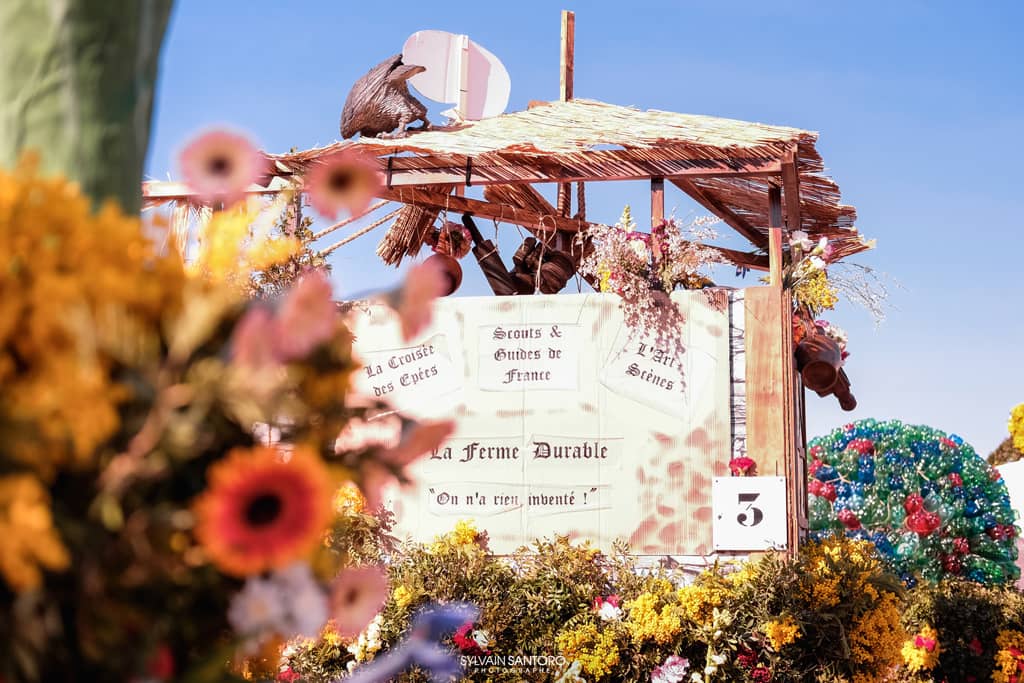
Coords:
407,234
730,163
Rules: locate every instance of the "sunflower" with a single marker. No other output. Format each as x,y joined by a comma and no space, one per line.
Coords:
263,509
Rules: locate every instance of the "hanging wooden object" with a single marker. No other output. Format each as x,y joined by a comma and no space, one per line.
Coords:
449,265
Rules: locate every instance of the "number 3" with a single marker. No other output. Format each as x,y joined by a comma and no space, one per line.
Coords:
742,518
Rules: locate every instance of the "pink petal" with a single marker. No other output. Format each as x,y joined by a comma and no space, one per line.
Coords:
307,318
357,595
363,181
424,283
221,165
252,344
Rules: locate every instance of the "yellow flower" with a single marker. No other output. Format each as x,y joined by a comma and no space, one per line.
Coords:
464,535
28,541
348,499
781,633
403,598
921,652
1007,663
235,243
815,292
700,599
876,639
83,292
647,621
1017,427
596,651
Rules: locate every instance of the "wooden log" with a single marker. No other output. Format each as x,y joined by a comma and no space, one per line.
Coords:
775,236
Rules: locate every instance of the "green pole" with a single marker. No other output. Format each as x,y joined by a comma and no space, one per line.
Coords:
76,84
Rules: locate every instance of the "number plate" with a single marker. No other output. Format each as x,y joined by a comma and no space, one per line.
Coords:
749,513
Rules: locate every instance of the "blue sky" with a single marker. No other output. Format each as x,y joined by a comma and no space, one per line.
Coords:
919,106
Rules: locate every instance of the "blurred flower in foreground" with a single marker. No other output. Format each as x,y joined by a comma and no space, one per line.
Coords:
236,243
220,166
261,511
357,595
422,647
288,603
344,180
420,439
307,317
424,283
28,541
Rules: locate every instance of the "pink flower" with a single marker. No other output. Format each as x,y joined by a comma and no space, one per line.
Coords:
287,675
346,179
357,595
220,166
742,466
420,440
608,608
672,671
307,317
424,283
252,343
927,643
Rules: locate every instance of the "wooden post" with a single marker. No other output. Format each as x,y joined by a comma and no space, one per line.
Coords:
657,200
775,236
565,92
460,190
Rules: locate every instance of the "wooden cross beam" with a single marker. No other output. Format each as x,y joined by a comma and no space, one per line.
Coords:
540,223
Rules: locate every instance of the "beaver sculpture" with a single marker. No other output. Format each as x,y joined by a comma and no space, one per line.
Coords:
380,101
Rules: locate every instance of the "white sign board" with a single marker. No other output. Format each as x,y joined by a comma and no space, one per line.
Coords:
749,513
566,425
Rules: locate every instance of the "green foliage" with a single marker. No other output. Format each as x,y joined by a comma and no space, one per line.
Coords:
279,277
968,618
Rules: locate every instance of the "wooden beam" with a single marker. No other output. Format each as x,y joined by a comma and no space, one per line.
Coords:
732,219
584,167
566,64
791,187
657,200
568,57
535,222
775,236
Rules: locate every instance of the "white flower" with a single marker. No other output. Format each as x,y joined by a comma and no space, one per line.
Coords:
799,238
482,640
695,677
572,674
672,671
719,660
609,612
258,611
710,669
816,263
718,633
307,600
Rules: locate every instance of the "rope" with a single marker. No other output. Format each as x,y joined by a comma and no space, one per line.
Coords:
368,228
581,202
351,219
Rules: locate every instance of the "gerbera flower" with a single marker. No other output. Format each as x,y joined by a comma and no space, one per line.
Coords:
307,317
261,511
220,166
357,595
347,179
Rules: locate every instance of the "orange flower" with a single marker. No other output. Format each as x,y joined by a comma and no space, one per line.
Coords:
263,509
347,179
221,165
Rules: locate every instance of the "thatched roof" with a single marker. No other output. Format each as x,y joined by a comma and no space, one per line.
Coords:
726,165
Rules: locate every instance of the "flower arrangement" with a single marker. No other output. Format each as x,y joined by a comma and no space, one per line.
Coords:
643,268
147,529
832,613
1016,427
